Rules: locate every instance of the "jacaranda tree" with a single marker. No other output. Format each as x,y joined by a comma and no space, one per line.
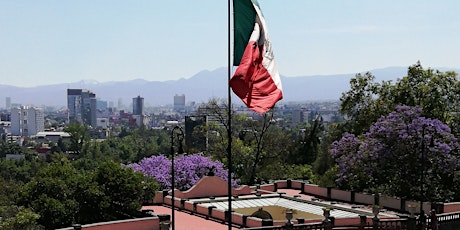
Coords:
188,170
403,154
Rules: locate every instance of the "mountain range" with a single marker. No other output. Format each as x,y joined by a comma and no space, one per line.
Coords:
198,88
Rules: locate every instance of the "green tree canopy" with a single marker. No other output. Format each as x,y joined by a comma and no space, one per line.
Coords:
436,93
62,195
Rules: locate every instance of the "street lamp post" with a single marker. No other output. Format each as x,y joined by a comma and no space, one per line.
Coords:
177,130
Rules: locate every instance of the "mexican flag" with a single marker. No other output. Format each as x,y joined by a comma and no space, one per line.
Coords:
256,80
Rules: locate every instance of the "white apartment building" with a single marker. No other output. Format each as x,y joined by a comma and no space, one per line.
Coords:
27,121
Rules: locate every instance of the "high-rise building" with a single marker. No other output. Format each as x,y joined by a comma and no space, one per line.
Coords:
297,116
27,121
179,103
7,102
101,105
138,105
120,104
81,106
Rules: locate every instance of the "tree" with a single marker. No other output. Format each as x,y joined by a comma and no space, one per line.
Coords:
20,170
400,151
9,190
50,194
256,142
14,217
9,148
78,137
122,188
435,92
266,144
360,103
188,170
216,128
306,148
62,195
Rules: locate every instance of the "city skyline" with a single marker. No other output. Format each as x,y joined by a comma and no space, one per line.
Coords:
52,42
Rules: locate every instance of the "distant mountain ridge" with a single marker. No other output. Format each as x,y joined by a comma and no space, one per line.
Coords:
199,88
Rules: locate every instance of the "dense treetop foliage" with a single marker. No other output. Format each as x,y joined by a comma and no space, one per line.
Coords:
436,93
188,169
392,155
400,137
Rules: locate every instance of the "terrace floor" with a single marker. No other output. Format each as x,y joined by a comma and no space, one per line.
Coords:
187,221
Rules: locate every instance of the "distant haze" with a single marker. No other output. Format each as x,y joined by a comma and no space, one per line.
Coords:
198,88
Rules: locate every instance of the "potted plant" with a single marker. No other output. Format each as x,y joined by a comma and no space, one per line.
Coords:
411,208
376,209
327,212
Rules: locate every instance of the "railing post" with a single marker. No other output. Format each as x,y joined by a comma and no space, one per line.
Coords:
165,221
182,203
375,219
434,220
332,219
362,221
327,225
210,211
421,220
165,226
375,223
245,219
411,223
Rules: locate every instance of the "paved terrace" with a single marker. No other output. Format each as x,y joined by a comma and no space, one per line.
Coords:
204,206
189,221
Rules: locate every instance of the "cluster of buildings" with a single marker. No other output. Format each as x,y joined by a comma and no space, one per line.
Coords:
18,121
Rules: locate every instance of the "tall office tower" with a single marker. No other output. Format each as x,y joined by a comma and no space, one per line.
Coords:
297,116
7,102
179,103
101,105
27,121
120,104
138,105
81,106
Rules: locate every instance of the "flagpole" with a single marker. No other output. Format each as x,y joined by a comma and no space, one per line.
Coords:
229,128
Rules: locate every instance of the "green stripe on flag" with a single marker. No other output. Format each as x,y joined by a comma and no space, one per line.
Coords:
244,18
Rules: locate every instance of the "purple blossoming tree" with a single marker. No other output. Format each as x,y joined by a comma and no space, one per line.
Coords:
188,169
400,152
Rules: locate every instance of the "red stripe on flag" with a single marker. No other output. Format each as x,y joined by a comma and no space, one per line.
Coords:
253,83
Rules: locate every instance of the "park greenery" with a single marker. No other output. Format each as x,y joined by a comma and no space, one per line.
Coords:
392,138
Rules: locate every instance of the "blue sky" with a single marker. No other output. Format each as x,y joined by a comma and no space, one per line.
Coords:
57,41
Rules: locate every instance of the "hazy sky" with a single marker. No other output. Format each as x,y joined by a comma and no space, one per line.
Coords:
60,41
